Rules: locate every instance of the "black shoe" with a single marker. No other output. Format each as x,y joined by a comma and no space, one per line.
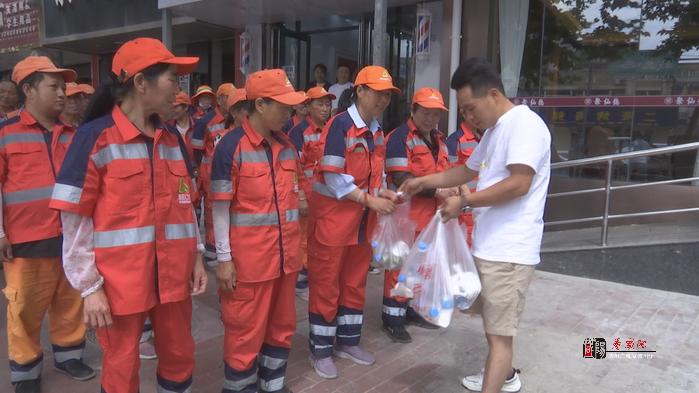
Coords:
415,319
76,369
30,386
398,334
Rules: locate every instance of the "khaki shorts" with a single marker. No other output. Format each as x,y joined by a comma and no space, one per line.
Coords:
503,294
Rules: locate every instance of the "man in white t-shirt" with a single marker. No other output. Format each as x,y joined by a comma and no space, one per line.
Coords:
343,83
512,163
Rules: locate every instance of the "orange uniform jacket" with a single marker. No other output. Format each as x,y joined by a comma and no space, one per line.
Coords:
28,172
407,151
356,152
138,192
261,182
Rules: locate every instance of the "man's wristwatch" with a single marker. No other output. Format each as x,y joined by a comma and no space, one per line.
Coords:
467,208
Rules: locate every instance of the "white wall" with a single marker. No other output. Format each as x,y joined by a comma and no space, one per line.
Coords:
427,71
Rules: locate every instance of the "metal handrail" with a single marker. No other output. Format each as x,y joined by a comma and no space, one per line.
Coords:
608,188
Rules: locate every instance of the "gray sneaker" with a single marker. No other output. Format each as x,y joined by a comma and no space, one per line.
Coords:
324,367
355,354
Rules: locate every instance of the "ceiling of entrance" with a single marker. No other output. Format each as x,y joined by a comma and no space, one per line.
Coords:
238,13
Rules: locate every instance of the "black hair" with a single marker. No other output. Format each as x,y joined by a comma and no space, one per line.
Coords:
114,91
346,99
479,74
32,80
249,105
322,67
236,107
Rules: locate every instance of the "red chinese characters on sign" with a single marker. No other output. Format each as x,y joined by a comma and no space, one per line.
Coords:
19,24
617,343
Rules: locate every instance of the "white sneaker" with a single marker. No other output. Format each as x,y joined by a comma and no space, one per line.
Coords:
475,383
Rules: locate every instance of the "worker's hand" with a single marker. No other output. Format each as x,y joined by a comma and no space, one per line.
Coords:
411,186
389,194
443,194
5,250
451,208
464,190
199,277
226,275
96,312
380,205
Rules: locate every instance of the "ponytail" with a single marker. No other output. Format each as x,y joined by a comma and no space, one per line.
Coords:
113,92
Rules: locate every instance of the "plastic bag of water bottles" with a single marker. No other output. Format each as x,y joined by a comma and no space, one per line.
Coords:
392,238
439,273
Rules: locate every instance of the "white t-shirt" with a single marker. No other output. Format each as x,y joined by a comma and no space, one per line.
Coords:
337,90
512,232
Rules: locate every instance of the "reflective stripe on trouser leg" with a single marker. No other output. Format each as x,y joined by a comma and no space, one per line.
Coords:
167,386
63,354
321,337
272,368
26,372
240,381
349,326
393,313
393,310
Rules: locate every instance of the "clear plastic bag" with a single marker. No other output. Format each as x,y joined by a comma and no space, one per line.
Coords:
392,238
439,274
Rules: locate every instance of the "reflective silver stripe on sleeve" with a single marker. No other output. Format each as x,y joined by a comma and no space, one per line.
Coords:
308,173
180,231
336,161
396,162
322,189
131,151
222,186
124,237
24,196
64,138
67,193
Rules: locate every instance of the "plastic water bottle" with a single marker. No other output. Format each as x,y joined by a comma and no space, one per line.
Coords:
374,244
434,312
447,303
423,246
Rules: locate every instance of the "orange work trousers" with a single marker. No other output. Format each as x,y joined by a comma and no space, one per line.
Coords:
36,286
259,320
174,346
337,280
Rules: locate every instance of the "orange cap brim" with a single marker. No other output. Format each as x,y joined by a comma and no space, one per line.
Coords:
185,65
292,98
331,96
383,87
194,97
432,105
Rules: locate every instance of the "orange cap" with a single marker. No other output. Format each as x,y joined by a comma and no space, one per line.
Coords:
32,64
201,90
318,92
182,98
273,84
376,78
72,89
140,53
430,98
87,89
236,96
225,89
